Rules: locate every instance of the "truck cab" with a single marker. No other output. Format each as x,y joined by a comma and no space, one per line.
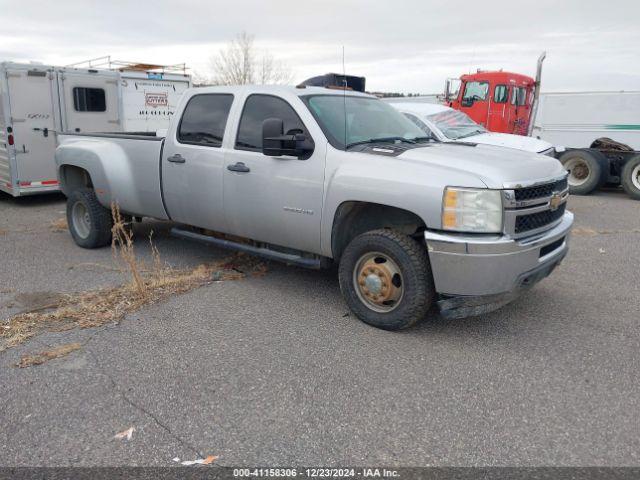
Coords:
499,101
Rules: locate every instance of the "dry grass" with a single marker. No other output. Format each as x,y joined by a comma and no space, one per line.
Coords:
145,286
59,225
42,357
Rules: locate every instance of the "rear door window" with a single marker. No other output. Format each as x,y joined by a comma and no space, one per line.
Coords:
256,110
501,94
204,119
519,96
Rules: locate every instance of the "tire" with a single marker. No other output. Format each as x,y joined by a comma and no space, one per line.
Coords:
89,222
630,177
587,170
405,263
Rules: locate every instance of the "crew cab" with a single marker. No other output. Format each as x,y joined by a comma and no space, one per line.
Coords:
449,125
314,176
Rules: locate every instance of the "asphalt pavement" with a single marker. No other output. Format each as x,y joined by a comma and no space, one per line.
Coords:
273,370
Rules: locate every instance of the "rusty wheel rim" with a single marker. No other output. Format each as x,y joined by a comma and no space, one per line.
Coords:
378,281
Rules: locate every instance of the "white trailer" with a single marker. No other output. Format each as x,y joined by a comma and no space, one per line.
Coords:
597,135
37,102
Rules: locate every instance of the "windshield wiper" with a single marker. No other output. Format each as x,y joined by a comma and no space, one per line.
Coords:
382,140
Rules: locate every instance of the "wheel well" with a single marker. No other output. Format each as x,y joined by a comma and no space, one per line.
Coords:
354,218
72,178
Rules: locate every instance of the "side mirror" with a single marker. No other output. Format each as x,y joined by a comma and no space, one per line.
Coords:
276,143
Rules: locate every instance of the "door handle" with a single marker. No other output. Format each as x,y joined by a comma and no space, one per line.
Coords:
238,167
177,158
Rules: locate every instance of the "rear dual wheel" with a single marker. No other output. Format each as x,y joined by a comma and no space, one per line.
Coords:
89,222
386,279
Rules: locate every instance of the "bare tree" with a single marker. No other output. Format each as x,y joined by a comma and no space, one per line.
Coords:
239,64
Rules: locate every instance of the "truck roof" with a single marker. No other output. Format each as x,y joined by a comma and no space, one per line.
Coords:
299,91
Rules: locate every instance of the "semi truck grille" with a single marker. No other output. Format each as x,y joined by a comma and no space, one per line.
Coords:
540,191
533,221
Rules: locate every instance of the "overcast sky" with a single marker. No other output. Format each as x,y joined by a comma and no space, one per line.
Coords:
406,46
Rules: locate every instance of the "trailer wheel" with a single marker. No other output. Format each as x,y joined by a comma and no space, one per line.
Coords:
630,177
89,222
386,280
587,170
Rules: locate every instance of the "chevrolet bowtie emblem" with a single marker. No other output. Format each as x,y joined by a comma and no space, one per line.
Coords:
555,201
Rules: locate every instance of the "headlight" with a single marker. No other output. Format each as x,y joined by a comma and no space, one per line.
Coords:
469,210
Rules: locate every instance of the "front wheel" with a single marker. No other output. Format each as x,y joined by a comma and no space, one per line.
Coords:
89,222
630,177
386,279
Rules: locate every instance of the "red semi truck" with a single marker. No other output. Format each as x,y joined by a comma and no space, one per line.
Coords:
596,134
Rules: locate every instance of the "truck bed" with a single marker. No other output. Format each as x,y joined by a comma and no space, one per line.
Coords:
133,179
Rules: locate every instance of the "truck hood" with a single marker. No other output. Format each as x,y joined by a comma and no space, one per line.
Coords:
496,167
519,142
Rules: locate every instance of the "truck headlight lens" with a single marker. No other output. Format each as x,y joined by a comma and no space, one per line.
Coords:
469,210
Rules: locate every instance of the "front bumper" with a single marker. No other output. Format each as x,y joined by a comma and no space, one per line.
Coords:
486,272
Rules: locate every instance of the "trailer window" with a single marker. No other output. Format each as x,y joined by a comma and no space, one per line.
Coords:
89,99
476,91
204,119
501,94
256,110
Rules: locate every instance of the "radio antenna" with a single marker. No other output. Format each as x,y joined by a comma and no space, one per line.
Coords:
344,98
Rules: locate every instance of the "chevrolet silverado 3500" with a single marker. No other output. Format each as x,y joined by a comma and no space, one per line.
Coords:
313,176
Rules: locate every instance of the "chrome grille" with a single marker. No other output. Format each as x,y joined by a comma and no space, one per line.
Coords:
534,221
534,208
539,191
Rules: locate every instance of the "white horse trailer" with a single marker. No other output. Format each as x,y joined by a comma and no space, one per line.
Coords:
597,136
39,101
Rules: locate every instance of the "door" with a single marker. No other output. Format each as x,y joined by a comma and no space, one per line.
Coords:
33,118
277,200
475,99
193,162
522,108
497,120
89,102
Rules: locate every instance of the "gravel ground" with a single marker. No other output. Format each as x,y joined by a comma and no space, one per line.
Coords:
274,371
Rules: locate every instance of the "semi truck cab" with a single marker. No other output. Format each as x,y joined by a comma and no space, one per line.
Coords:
499,101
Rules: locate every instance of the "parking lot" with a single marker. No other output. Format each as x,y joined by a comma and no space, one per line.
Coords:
272,370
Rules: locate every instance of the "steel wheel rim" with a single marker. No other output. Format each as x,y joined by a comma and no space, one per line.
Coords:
378,282
579,171
81,219
635,176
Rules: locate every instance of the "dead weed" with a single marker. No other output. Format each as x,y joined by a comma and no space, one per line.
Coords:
42,357
94,308
59,225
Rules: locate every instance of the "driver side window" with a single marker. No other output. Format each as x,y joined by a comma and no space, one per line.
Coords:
256,110
475,91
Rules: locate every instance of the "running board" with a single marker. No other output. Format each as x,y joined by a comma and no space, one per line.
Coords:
242,247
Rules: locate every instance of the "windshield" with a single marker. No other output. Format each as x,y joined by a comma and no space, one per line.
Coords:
455,125
367,120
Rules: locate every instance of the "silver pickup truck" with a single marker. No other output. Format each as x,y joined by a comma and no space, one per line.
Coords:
314,176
